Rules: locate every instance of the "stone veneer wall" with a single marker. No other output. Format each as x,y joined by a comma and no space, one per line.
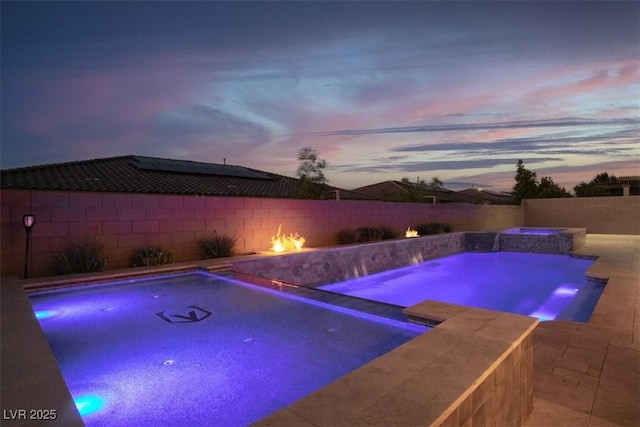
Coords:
308,268
599,215
564,242
482,241
125,222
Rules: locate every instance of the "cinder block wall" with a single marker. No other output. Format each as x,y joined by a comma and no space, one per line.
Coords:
599,215
126,222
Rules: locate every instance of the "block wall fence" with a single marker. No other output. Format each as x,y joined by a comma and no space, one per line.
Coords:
599,215
126,222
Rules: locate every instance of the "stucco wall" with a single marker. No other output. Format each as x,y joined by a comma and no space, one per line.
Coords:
125,222
599,215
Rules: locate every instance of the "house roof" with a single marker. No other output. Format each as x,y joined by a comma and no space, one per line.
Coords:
398,190
141,174
490,196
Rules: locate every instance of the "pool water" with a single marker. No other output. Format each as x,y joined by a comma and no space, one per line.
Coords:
198,349
539,285
535,231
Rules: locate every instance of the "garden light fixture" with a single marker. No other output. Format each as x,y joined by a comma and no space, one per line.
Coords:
28,220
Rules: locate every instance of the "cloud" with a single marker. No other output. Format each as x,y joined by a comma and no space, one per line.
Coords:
519,124
421,166
625,139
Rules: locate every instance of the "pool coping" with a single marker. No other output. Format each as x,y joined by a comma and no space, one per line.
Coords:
31,378
476,365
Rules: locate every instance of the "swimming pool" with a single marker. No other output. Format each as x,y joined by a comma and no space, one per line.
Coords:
200,349
544,286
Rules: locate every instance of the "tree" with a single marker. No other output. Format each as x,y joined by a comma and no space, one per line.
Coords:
605,178
549,189
589,190
526,186
436,183
311,179
596,187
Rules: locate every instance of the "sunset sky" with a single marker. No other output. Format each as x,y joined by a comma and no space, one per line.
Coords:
382,90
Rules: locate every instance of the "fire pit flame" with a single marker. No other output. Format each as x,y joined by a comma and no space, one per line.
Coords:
281,243
411,233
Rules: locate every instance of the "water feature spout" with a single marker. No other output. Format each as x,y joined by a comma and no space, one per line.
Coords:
496,243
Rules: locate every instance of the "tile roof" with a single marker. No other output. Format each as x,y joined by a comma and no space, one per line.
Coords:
140,174
490,196
398,189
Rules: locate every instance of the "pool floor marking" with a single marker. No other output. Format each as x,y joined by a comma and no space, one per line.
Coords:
196,314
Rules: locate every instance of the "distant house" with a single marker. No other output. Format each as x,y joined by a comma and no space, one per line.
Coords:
151,175
632,183
488,197
399,191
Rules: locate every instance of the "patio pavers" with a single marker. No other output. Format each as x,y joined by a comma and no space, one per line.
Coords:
589,374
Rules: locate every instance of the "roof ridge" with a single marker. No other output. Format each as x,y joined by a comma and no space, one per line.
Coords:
69,163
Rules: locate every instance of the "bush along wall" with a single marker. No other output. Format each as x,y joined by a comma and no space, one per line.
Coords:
429,228
216,246
366,234
84,256
151,256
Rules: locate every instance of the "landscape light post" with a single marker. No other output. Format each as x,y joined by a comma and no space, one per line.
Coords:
28,220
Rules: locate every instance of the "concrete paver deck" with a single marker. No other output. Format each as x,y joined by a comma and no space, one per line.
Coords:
588,374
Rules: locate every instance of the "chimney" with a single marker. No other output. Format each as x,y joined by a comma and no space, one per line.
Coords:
625,190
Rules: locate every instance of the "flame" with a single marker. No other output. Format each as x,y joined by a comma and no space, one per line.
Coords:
411,233
277,246
281,243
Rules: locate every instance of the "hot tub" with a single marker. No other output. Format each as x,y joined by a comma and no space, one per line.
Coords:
542,240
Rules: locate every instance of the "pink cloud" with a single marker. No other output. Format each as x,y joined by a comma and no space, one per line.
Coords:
604,78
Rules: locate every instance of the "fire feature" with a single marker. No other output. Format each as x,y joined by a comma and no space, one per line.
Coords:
281,243
411,233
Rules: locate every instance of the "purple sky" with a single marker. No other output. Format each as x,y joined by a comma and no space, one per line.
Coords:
382,90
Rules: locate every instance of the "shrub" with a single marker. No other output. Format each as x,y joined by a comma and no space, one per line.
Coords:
388,233
366,234
152,255
80,257
347,236
214,246
432,228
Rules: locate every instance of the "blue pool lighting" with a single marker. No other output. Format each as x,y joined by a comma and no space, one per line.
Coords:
546,286
88,404
43,314
564,291
260,352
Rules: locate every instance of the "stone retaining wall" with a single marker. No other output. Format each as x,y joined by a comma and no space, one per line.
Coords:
311,268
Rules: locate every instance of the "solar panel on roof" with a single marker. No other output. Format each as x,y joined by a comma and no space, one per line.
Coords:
185,166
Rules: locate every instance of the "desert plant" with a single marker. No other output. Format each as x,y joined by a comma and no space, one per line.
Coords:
84,256
366,234
432,228
347,236
388,232
214,246
152,255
